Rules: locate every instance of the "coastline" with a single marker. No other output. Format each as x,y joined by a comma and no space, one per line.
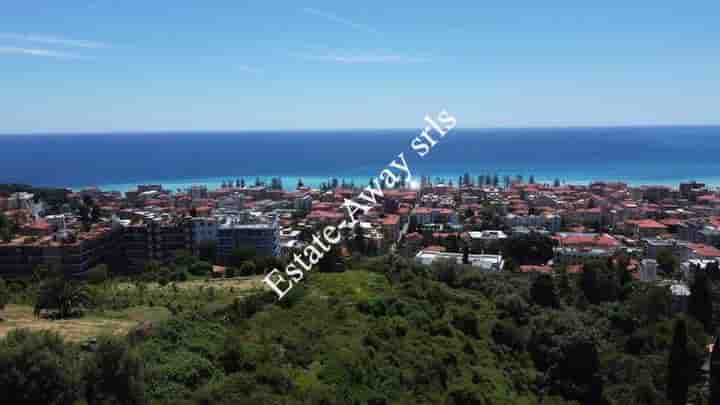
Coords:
290,181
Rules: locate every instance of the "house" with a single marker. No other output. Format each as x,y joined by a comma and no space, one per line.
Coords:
644,228
576,248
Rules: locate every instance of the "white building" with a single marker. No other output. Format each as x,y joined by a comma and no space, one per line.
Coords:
57,221
487,235
688,267
484,262
303,203
550,222
234,202
648,270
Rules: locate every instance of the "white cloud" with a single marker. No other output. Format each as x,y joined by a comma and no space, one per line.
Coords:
340,20
53,40
38,52
365,58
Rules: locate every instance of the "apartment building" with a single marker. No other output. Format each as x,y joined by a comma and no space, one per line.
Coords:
244,233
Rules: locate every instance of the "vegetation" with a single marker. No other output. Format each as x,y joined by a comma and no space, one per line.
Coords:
62,294
388,331
40,368
4,295
678,366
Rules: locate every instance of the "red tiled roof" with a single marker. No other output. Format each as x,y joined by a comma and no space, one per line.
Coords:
647,224
414,235
325,215
604,240
538,269
391,220
40,225
575,269
704,250
671,221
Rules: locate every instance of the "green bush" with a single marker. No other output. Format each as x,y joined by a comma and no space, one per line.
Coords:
201,268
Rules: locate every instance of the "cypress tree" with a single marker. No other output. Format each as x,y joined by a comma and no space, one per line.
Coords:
700,302
543,292
677,377
564,287
589,283
715,373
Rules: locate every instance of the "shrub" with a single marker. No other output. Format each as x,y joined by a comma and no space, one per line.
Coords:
98,274
201,269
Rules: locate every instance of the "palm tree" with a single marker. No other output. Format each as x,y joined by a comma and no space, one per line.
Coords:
62,294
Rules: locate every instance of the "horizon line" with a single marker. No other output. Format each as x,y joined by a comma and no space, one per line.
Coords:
240,131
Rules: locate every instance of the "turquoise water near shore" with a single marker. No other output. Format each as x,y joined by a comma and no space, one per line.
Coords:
637,155
289,182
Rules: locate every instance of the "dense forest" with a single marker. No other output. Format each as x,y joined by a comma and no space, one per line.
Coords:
387,331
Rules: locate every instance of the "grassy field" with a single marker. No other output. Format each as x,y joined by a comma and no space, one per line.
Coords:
21,316
118,322
236,284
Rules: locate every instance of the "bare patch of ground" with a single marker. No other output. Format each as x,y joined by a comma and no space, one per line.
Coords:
22,317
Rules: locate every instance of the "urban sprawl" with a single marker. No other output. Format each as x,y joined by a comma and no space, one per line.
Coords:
472,221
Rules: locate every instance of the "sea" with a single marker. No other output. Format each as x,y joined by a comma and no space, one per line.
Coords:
177,160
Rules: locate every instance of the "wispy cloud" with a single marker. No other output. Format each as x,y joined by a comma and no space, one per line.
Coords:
53,40
340,20
246,68
366,58
48,53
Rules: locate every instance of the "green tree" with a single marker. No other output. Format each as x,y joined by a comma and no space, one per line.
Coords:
114,374
248,268
331,261
678,366
667,263
152,270
700,305
564,287
98,274
62,294
38,368
621,268
543,292
589,283
239,256
4,295
715,373
6,228
201,268
207,251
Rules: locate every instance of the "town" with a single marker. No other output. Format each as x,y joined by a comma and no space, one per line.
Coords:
662,231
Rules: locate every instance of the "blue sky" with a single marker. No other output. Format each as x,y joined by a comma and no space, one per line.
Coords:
109,65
